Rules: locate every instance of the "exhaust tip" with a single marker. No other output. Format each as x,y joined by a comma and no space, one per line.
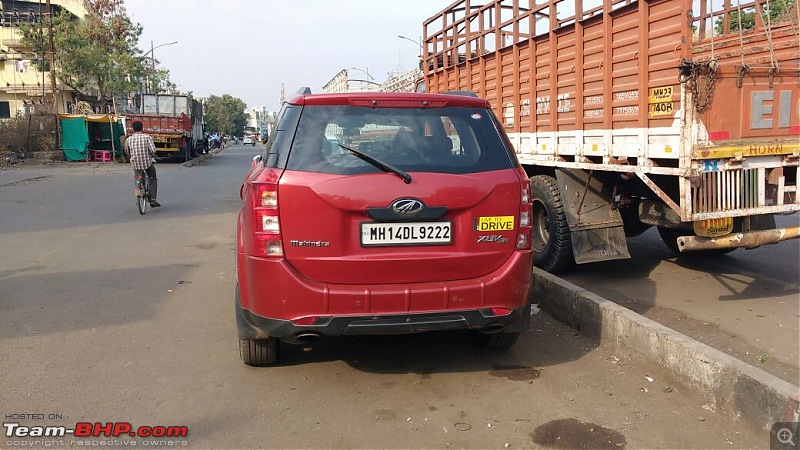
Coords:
307,337
493,328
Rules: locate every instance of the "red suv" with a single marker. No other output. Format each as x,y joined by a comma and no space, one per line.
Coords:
383,213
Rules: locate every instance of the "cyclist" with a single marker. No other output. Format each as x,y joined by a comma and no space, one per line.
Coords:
142,149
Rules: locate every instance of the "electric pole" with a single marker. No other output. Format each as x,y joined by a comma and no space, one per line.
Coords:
52,57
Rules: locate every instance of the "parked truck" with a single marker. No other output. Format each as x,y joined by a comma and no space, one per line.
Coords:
174,121
678,114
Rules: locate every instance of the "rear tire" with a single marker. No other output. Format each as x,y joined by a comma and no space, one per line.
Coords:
187,152
670,237
494,341
142,202
141,205
552,243
258,352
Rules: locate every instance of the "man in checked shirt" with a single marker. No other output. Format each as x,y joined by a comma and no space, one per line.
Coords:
141,149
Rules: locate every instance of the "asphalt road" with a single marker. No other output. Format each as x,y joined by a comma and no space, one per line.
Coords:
106,315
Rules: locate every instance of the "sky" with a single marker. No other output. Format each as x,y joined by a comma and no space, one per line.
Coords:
246,48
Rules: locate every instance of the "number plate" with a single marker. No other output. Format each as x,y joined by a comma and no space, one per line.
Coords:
406,233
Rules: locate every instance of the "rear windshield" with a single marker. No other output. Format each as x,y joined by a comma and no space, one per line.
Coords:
445,140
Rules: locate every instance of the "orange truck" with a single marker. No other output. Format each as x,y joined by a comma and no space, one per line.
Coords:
174,121
678,114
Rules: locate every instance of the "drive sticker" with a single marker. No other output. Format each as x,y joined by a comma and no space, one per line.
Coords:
494,223
476,116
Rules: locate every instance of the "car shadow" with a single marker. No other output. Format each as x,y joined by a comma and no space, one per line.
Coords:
547,343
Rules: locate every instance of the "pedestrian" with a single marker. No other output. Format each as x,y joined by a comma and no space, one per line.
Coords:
126,157
142,149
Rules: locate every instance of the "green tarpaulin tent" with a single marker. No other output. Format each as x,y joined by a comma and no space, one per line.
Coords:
80,133
74,138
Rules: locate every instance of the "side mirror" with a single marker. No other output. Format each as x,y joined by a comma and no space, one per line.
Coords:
256,160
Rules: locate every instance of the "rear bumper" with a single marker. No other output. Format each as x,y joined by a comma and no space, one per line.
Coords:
272,298
252,326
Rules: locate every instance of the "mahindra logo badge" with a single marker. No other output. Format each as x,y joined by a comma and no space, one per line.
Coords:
407,206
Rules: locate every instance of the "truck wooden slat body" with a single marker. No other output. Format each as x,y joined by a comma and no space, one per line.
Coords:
697,101
174,121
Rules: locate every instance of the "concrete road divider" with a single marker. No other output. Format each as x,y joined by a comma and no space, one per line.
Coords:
731,386
200,158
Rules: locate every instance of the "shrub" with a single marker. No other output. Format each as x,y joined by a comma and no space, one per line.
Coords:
29,133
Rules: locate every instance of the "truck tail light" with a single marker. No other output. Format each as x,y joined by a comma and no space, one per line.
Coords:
266,220
525,214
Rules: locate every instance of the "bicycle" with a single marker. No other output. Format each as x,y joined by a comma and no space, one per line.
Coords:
142,191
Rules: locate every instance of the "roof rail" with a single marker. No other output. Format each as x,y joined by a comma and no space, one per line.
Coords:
305,90
464,93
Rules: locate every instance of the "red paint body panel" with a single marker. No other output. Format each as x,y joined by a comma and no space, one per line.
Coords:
162,125
397,100
328,208
279,291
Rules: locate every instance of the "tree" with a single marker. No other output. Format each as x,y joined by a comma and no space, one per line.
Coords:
225,114
775,10
97,55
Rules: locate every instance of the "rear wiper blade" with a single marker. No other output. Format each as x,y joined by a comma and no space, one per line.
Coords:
379,164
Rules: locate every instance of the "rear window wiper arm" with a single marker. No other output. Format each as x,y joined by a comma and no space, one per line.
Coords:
379,164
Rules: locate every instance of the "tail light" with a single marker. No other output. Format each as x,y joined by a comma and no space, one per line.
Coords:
266,222
525,215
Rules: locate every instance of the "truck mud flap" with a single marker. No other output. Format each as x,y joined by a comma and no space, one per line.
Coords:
599,244
596,227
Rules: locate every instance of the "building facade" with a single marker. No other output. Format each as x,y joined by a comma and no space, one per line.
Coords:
261,120
23,87
399,81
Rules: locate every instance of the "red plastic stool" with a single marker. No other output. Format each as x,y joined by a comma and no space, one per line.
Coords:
101,155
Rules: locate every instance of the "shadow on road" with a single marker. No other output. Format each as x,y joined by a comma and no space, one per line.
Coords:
39,304
731,272
548,343
731,302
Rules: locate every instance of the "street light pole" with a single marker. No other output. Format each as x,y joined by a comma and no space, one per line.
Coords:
421,56
365,71
414,41
371,79
153,60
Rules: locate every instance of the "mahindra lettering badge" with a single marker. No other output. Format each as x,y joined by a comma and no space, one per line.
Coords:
407,206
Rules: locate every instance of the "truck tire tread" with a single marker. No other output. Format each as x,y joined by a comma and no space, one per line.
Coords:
557,255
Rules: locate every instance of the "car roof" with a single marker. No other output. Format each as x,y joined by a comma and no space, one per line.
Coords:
391,100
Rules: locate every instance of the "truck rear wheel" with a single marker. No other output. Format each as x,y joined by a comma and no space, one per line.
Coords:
552,244
670,237
187,152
